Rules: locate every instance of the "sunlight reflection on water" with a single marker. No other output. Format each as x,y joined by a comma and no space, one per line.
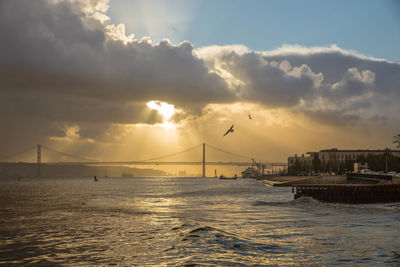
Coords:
178,221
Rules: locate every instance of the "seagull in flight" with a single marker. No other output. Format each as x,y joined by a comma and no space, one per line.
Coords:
230,130
250,117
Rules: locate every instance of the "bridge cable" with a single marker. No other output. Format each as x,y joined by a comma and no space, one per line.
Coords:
68,155
173,154
18,153
227,152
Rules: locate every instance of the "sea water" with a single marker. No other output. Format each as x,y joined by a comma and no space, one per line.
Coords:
187,221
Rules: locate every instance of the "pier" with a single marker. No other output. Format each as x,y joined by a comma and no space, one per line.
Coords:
349,193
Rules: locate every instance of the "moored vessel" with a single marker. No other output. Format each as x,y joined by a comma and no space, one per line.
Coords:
250,172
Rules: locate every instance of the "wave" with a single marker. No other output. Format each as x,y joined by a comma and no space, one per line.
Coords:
296,202
220,240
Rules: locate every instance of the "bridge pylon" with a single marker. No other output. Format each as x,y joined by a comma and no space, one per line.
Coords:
204,160
39,160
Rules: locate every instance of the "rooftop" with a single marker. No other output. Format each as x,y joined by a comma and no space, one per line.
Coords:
357,150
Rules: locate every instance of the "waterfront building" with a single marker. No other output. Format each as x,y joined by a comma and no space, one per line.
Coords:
304,160
335,156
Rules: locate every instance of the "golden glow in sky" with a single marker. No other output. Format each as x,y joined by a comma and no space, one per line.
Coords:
198,89
165,109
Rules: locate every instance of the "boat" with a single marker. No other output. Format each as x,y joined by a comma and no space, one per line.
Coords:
250,172
254,171
227,178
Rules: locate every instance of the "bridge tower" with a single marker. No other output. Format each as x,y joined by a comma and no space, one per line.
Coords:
39,160
204,160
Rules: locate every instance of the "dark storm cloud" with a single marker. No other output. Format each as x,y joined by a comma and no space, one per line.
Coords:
60,65
55,49
332,117
334,63
337,85
366,87
77,109
268,83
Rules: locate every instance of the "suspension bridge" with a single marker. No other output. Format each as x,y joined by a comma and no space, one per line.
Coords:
78,160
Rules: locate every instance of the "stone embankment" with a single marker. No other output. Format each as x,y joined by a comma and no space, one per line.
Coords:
293,180
338,188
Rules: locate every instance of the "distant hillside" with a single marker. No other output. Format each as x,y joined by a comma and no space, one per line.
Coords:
66,170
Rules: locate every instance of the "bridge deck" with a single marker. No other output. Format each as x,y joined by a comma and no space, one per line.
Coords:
209,163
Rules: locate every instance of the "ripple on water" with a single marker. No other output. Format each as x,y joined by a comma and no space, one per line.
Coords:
190,221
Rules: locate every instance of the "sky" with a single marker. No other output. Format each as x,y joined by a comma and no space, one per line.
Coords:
369,27
129,80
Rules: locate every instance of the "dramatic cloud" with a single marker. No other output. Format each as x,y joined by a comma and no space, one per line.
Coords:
64,52
269,83
343,85
61,62
67,74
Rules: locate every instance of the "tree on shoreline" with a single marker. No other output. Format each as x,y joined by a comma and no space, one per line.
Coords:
397,140
316,162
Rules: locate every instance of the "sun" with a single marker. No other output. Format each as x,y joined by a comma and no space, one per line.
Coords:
165,109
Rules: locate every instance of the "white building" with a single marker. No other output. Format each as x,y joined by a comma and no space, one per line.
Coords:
335,155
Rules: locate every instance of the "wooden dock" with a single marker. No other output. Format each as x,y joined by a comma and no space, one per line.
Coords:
349,193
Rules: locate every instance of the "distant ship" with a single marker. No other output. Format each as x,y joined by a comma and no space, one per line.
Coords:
250,172
222,177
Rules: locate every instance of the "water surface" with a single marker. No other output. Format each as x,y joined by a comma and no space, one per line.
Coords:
185,221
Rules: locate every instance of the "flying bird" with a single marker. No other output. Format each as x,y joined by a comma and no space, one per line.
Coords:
250,117
230,130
